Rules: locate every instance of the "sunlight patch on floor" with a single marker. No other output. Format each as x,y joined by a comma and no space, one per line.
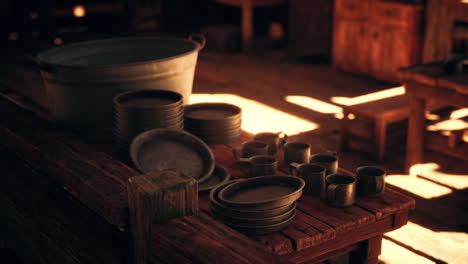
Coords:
258,117
400,90
431,116
418,186
313,104
450,247
395,254
448,125
459,113
430,171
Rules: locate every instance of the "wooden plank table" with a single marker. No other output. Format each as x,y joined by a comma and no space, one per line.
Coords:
428,82
65,200
247,7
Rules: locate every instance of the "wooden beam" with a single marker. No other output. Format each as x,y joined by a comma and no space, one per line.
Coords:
247,25
156,197
416,128
440,17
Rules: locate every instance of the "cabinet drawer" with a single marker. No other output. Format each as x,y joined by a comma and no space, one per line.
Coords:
395,13
352,8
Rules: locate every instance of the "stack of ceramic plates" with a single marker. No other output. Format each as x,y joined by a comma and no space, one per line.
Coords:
139,111
214,123
258,205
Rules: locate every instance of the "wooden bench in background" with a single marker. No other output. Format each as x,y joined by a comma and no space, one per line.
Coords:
381,113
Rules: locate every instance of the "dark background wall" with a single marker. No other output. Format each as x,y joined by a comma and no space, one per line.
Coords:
27,21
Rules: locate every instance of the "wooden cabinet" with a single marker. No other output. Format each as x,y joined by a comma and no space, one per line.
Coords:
351,53
376,37
387,52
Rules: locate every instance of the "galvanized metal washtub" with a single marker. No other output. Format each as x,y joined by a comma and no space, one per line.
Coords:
81,79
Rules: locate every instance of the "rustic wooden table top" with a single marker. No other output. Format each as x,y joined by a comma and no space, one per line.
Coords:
432,74
93,176
315,221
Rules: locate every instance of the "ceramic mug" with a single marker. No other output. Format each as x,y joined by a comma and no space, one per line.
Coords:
297,152
340,190
249,149
312,174
258,165
328,159
274,140
370,181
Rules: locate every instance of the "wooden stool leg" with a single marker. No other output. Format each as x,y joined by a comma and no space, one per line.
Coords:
247,25
369,253
344,142
455,138
416,127
380,137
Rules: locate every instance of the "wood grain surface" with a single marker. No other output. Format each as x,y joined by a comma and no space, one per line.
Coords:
155,197
93,177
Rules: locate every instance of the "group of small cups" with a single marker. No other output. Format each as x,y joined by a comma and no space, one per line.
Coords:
319,171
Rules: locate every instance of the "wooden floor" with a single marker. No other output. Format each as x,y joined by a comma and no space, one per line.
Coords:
437,231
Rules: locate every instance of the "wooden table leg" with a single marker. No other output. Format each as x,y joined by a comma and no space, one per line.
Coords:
47,19
23,20
369,253
247,25
380,130
416,127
